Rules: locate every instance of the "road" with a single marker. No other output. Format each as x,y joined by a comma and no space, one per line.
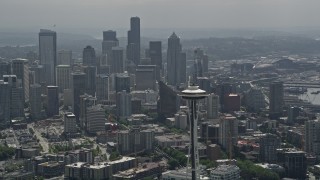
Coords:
43,142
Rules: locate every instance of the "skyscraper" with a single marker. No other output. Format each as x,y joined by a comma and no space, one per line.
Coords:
155,53
228,132
5,68
122,82
123,102
78,87
213,106
4,103
133,47
276,99
53,101
89,56
16,96
48,54
39,72
312,137
21,70
102,87
145,79
70,125
63,77
109,40
35,101
91,72
169,102
117,64
268,148
176,62
65,57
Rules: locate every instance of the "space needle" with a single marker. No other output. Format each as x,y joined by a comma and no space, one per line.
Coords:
192,94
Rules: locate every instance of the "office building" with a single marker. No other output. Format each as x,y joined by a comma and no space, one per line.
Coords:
176,62
133,47
255,99
181,120
48,54
117,63
35,101
223,90
21,70
293,113
5,68
295,164
169,102
122,82
95,119
78,87
52,101
154,68
179,174
312,137
201,62
109,41
268,146
225,172
134,140
102,87
204,84
65,57
39,71
232,103
16,96
91,72
70,123
228,132
89,56
276,99
145,79
155,54
102,170
86,101
212,106
123,102
5,93
63,77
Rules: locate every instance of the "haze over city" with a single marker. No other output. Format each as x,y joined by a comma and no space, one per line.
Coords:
159,89
74,14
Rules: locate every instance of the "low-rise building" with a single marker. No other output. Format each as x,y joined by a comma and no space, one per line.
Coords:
169,140
225,172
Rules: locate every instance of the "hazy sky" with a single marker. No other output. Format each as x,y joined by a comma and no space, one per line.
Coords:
159,13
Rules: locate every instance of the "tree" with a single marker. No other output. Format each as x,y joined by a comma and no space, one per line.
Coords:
114,155
173,164
250,171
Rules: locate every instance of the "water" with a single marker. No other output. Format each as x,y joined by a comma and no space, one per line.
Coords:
312,98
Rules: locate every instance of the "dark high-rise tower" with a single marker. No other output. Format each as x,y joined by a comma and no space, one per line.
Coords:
78,86
109,41
52,101
89,56
176,62
133,47
48,54
276,99
155,53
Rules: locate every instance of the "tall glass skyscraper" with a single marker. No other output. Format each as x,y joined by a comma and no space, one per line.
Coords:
48,54
133,47
176,62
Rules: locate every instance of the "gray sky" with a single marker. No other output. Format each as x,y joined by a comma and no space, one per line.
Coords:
159,13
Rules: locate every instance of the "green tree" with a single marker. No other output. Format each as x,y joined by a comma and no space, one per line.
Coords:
173,164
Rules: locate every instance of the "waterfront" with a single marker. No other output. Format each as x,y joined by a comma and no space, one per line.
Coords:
310,96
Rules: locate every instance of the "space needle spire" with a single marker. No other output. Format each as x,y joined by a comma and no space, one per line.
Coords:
192,94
